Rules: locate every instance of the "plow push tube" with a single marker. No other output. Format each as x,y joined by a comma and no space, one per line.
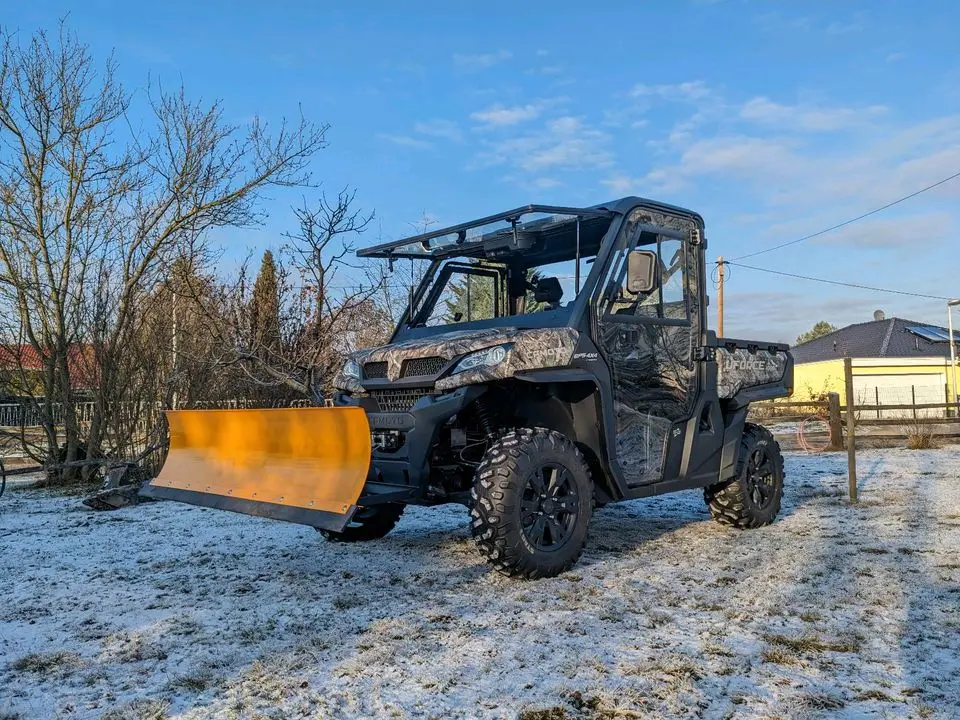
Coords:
302,465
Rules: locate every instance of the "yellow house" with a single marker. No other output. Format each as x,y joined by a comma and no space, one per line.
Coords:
895,362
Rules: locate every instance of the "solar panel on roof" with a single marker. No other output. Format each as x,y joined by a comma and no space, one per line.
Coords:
933,334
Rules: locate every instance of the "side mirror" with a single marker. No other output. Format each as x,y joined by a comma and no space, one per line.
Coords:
641,266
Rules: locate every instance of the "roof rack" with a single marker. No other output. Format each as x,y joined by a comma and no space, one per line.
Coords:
394,249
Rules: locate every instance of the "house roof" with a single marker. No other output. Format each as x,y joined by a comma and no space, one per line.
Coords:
81,362
888,338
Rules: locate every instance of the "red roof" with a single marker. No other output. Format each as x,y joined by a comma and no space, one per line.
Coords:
81,362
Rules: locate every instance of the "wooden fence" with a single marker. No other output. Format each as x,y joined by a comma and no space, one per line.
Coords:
822,424
829,424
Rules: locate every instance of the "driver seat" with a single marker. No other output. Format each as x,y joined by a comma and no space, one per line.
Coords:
549,291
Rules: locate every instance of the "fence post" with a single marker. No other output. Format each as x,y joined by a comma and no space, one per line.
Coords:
913,400
851,430
876,395
835,420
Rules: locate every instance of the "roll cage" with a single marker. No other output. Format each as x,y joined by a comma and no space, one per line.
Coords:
566,234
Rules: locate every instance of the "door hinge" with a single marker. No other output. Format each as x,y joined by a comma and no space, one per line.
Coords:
705,353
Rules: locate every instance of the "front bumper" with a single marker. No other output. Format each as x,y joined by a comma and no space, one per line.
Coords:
403,474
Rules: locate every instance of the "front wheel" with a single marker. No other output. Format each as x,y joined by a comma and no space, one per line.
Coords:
368,523
752,498
532,499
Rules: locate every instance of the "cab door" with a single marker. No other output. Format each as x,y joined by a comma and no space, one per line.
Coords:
647,340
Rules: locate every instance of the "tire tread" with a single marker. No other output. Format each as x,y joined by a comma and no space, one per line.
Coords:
499,478
727,501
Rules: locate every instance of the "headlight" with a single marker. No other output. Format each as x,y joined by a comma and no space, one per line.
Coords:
482,359
351,369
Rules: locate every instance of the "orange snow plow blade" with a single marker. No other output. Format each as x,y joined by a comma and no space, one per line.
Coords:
304,465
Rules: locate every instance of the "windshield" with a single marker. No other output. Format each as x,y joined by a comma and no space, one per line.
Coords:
483,271
474,290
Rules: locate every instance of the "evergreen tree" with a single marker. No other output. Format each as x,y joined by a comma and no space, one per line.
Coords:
481,301
265,308
471,296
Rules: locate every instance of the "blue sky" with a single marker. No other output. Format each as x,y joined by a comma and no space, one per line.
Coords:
773,119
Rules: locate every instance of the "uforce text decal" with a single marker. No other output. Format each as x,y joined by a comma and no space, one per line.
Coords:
747,364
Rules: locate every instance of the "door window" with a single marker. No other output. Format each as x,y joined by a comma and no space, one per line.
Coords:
667,300
647,340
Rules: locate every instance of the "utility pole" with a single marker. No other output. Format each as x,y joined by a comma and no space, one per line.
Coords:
953,353
720,274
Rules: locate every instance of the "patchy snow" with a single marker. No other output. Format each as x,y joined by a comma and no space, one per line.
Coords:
195,613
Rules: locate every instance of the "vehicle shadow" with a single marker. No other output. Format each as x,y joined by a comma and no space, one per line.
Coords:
867,591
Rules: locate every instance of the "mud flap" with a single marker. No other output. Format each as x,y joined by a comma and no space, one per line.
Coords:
302,465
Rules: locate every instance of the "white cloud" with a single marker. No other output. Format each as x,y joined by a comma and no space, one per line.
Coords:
620,184
784,314
500,116
839,28
740,156
545,183
439,128
896,57
903,233
686,91
806,117
564,143
406,141
546,70
481,61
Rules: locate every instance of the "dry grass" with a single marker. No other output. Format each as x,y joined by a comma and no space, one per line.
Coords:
553,713
139,710
814,644
919,435
820,701
596,706
50,663
195,682
779,656
874,694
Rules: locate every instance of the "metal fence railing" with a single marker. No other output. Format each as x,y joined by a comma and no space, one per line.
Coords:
135,428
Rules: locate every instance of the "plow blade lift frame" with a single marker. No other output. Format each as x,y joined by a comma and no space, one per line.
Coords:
302,465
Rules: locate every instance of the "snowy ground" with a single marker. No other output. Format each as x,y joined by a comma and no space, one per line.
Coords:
167,610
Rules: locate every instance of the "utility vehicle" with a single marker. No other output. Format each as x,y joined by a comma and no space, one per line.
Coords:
551,360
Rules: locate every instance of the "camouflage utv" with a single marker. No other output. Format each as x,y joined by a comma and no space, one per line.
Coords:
552,360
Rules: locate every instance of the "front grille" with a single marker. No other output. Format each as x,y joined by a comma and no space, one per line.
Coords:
398,399
418,367
375,370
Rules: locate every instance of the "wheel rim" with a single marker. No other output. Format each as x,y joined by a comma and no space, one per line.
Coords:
761,478
550,507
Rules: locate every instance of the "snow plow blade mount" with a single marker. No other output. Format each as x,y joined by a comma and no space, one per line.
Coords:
302,465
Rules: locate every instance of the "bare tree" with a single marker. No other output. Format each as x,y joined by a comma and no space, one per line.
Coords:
327,303
94,211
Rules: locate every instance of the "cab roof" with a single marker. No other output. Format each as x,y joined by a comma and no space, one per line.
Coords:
539,234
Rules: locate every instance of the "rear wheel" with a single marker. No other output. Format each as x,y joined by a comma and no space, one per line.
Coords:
532,500
752,498
368,523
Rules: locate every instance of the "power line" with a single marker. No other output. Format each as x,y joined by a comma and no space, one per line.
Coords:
852,220
836,282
